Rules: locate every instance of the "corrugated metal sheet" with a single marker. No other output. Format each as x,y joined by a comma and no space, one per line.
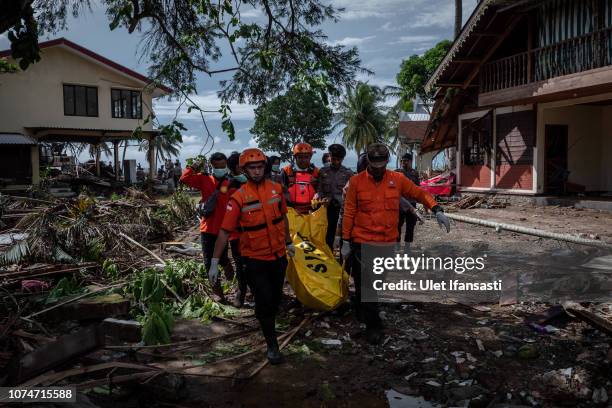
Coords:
16,139
411,116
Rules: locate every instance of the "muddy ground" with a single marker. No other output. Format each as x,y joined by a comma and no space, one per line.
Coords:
434,354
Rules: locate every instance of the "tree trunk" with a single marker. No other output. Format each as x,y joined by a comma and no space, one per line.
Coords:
458,17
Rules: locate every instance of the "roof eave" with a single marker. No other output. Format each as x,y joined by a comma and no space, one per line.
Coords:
160,90
465,33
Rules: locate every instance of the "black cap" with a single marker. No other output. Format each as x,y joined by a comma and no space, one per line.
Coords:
407,156
217,156
378,155
337,150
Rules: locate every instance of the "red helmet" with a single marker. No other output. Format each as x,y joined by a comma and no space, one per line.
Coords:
302,148
252,155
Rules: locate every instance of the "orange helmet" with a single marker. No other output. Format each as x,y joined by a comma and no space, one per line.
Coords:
252,155
302,148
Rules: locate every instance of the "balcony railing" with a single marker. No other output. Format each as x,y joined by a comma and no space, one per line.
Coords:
578,54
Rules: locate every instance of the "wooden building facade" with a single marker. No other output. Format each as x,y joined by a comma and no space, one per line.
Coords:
525,95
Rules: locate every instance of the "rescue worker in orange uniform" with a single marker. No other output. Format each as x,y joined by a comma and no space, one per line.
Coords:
370,217
300,181
259,211
215,192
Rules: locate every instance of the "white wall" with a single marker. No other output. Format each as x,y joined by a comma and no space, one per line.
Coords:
34,98
585,143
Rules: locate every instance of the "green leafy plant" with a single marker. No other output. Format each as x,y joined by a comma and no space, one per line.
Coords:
157,324
204,308
65,287
110,269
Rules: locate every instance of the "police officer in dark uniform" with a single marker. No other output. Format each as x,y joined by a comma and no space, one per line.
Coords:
406,216
332,180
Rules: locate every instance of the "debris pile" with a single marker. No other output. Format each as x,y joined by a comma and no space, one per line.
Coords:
65,230
475,201
107,293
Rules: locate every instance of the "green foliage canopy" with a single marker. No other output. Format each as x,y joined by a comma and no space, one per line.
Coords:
298,115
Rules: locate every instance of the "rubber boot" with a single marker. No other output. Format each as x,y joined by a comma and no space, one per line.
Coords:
239,297
218,290
267,327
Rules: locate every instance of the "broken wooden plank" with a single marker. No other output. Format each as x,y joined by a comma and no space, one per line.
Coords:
582,313
30,273
93,308
50,355
122,330
51,378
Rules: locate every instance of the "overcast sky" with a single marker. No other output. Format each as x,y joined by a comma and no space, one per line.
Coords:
384,31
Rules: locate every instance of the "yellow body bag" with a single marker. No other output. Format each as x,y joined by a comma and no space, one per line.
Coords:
318,280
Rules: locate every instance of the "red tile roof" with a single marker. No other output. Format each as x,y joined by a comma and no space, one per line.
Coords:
413,131
97,57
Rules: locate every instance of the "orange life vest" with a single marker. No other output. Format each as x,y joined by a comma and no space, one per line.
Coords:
301,185
261,226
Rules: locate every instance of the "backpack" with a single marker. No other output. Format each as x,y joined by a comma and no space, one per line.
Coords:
206,208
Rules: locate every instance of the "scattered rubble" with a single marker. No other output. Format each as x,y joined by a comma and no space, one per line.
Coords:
476,201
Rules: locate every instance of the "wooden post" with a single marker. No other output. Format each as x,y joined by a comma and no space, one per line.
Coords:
97,158
35,163
530,50
116,157
151,158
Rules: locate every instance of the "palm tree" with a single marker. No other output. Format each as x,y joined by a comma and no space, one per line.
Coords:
362,117
166,145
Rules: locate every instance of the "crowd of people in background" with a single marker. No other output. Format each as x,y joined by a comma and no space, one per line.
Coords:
169,173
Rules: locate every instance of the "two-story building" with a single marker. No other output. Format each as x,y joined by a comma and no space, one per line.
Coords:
525,94
71,95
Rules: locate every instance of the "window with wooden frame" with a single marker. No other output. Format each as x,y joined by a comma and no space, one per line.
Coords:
126,104
476,143
80,100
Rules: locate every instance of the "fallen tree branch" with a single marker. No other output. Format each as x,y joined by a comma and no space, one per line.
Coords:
186,342
53,377
154,255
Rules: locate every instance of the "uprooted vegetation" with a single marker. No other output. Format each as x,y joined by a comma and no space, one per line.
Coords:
65,263
87,229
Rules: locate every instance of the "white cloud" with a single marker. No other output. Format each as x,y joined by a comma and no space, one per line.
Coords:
189,140
252,13
390,27
360,9
440,17
217,139
252,142
415,39
208,101
352,41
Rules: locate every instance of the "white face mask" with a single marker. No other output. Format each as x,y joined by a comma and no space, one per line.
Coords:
218,173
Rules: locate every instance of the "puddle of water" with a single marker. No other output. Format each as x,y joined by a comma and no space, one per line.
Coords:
399,400
602,262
